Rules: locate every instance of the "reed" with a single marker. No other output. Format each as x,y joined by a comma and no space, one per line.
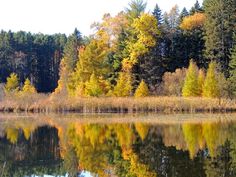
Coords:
44,103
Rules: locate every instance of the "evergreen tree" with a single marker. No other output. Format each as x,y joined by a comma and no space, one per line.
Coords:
28,88
183,13
191,87
123,87
219,26
158,14
142,90
196,8
71,50
12,84
232,68
211,86
92,87
136,7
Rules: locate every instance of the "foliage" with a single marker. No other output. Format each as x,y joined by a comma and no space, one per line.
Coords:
123,87
211,85
193,21
173,82
92,87
201,80
28,88
191,87
232,68
142,90
12,84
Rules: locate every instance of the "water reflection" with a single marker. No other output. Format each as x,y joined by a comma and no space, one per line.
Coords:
68,147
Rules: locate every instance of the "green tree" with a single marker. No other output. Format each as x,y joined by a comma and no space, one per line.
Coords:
136,7
211,85
12,84
92,87
142,90
232,68
219,26
28,87
191,87
123,87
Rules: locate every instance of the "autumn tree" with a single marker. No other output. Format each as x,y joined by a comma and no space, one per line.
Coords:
12,84
28,88
201,80
92,87
194,21
142,90
211,85
191,87
123,87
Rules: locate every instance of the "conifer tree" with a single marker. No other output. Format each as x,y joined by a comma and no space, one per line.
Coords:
123,87
142,90
190,87
211,86
201,79
28,88
12,84
92,87
232,68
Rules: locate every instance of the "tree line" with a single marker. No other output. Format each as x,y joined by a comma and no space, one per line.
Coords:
132,53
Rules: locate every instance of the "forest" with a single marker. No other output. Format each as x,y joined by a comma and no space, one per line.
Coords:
180,53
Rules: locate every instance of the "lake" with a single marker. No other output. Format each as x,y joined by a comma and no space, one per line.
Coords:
142,145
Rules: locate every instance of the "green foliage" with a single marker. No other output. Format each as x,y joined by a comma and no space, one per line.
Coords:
142,90
92,87
232,68
211,86
12,84
219,26
28,87
123,87
191,87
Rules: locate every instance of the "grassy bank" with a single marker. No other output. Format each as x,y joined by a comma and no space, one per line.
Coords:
42,103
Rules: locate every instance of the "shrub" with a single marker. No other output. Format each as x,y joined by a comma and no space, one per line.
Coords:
142,90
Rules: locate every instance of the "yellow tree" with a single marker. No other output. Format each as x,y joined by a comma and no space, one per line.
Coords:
190,87
194,21
92,87
201,79
143,36
123,87
142,90
211,85
12,84
28,87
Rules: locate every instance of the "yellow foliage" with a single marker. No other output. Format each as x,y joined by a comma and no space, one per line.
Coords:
201,79
12,84
142,90
123,87
12,135
142,130
28,87
193,21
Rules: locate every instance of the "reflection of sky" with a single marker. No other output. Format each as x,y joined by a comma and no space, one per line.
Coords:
83,174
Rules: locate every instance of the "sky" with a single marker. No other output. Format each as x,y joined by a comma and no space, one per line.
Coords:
63,16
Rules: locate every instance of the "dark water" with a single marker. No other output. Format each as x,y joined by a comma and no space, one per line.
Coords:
129,147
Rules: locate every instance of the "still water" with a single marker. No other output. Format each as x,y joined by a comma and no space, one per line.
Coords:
118,145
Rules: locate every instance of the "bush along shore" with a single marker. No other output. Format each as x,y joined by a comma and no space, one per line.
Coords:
119,105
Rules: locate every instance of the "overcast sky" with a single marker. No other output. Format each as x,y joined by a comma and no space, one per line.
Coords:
62,16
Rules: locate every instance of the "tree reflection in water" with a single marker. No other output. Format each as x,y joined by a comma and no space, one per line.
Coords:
70,147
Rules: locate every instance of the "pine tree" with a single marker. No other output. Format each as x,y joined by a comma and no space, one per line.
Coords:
142,90
195,8
232,68
219,26
158,14
183,13
201,79
190,87
28,88
92,87
211,86
12,84
123,87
